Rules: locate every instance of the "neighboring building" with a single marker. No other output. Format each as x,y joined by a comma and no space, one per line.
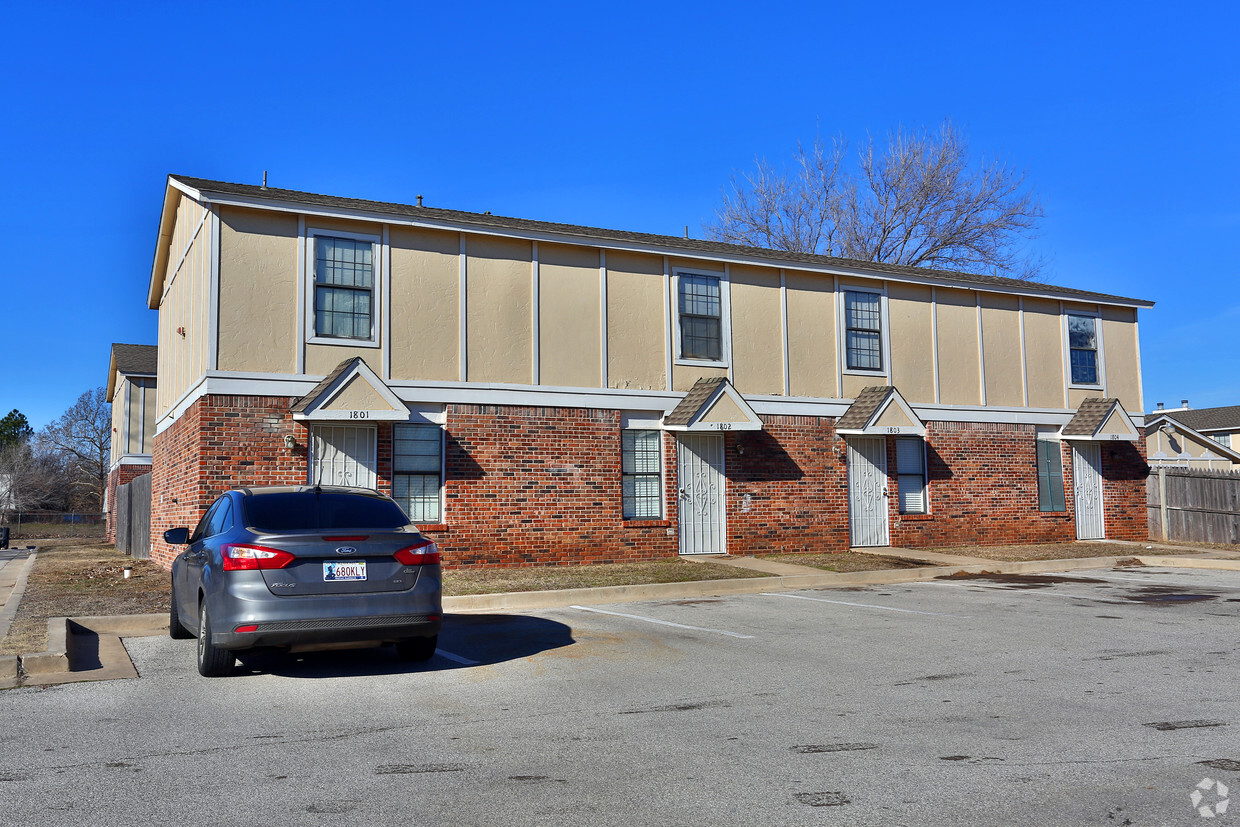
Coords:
547,393
1206,438
131,389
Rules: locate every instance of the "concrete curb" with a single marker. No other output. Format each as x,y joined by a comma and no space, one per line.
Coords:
61,632
516,601
8,671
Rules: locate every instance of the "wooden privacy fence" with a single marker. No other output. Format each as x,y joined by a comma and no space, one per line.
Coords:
133,517
1192,505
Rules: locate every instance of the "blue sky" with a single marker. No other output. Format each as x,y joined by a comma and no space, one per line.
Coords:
1125,115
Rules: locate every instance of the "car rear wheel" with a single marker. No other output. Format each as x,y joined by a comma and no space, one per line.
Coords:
213,662
417,649
176,629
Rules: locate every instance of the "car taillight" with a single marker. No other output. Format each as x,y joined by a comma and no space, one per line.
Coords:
242,557
425,553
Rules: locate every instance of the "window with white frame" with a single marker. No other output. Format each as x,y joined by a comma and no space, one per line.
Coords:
344,287
863,330
1083,349
700,311
1222,439
417,471
911,467
641,461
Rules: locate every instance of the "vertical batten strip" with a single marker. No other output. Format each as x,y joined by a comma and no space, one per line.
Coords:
305,286
981,348
463,321
783,326
725,312
1024,366
669,319
385,296
1102,353
1065,363
841,336
213,290
1136,336
535,315
934,339
602,303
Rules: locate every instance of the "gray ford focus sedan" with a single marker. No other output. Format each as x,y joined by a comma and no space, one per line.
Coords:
304,567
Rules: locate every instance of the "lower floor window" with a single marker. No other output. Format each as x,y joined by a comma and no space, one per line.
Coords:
417,471
911,465
1050,476
641,474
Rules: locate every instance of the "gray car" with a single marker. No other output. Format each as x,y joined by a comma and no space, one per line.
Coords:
304,567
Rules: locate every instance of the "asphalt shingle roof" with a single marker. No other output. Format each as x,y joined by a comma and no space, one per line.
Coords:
135,359
688,407
318,389
862,408
1089,417
588,234
1206,419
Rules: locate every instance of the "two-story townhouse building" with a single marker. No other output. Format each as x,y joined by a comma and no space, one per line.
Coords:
534,392
1202,438
131,390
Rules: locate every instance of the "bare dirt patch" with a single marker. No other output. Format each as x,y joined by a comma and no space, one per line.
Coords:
541,578
843,561
72,578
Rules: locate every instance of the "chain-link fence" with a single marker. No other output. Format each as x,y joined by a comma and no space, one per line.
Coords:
46,525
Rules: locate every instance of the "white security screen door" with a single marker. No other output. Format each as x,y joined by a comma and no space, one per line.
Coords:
344,456
700,461
1087,485
867,492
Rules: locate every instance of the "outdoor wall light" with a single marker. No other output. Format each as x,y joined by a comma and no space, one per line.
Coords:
289,442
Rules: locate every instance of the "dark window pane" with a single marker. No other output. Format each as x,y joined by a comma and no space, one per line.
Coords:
292,510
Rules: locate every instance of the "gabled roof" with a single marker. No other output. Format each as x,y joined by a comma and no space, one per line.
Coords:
131,360
1164,420
712,405
351,392
877,411
1100,418
1206,419
208,191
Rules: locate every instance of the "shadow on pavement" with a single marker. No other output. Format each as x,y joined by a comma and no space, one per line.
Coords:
465,642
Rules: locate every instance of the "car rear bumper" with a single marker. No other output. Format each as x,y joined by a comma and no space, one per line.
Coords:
287,633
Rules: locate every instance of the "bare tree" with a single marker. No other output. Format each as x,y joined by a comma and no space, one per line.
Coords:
83,436
918,201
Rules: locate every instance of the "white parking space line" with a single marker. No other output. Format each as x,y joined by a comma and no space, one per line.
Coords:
865,605
663,622
456,658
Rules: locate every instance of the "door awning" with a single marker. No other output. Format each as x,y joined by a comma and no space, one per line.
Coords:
712,405
351,393
1100,419
880,410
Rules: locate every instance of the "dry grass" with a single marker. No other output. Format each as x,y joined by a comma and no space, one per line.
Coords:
73,579
843,561
1056,551
540,578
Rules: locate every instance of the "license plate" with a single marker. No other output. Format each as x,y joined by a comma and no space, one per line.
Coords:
344,570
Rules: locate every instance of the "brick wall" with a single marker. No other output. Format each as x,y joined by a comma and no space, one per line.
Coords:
530,486
537,486
221,442
120,475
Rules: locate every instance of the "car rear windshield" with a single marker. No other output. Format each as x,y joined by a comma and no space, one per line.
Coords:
294,510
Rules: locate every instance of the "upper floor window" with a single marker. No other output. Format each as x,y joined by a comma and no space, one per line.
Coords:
1222,439
863,326
344,287
1083,349
700,306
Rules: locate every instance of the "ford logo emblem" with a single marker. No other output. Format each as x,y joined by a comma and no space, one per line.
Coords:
346,550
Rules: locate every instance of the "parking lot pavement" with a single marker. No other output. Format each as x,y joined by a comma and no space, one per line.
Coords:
1104,697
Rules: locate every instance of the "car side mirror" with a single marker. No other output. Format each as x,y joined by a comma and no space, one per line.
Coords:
177,536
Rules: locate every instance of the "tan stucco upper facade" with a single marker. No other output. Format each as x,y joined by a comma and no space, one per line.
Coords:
472,306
